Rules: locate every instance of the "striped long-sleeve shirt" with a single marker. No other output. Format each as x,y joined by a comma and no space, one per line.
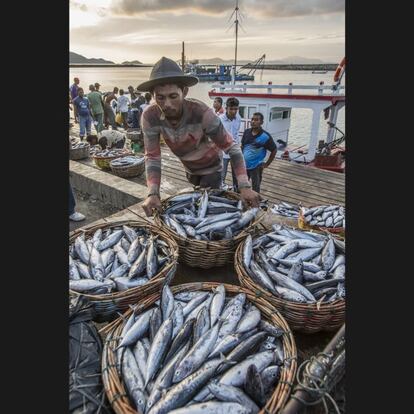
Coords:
197,141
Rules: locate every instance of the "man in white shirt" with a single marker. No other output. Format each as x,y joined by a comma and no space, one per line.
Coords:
108,138
231,121
123,104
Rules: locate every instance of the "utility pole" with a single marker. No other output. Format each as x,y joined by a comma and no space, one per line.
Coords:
183,59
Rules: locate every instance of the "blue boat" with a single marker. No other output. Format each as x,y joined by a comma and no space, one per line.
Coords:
216,73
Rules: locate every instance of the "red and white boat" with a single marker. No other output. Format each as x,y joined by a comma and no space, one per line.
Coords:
276,102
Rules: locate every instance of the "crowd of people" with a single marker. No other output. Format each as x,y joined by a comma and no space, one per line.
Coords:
205,139
114,109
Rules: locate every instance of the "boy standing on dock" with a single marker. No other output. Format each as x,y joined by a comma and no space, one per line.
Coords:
231,121
255,144
193,133
82,111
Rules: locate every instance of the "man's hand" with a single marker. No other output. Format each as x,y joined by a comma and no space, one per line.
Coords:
249,197
150,203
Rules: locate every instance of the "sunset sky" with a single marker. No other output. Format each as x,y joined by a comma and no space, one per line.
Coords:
145,30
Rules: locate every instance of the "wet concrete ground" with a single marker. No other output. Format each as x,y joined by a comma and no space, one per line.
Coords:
92,208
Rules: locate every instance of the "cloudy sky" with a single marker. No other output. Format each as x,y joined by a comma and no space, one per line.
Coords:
145,30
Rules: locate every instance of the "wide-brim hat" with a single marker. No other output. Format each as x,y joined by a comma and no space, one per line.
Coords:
166,71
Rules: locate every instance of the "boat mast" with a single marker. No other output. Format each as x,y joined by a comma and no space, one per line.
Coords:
183,59
237,31
236,22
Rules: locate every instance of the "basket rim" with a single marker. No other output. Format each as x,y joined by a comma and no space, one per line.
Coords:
218,244
304,307
173,247
268,312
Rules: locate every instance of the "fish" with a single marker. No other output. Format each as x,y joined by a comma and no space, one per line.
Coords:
236,375
197,355
228,393
298,259
137,330
133,379
247,251
206,219
125,283
202,324
212,407
253,385
158,349
217,304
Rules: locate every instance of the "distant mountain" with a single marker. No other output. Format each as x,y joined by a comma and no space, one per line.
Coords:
132,62
295,60
76,58
298,60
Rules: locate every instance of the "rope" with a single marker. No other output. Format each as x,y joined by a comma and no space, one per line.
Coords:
313,385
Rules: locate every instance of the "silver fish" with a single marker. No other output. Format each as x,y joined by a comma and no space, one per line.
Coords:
82,250
139,265
261,277
287,282
203,205
138,329
178,318
133,379
111,240
183,336
217,304
155,323
249,320
196,355
125,283
181,393
194,303
328,255
84,270
85,285
212,407
247,251
202,324
164,378
159,348
228,393
236,375
152,260
134,250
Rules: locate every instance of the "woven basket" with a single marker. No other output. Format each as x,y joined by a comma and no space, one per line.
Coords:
302,224
79,153
128,171
104,162
301,317
114,386
107,305
202,253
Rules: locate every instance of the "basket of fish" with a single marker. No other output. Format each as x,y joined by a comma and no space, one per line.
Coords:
327,218
79,151
129,166
301,273
199,348
116,264
207,225
103,158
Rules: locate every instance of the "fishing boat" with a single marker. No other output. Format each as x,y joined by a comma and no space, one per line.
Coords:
216,73
276,103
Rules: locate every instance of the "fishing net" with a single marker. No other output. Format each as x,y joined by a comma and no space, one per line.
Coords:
86,394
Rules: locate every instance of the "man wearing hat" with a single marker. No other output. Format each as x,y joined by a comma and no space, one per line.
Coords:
191,130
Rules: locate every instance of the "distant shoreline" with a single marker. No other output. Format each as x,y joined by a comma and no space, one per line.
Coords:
106,65
284,66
